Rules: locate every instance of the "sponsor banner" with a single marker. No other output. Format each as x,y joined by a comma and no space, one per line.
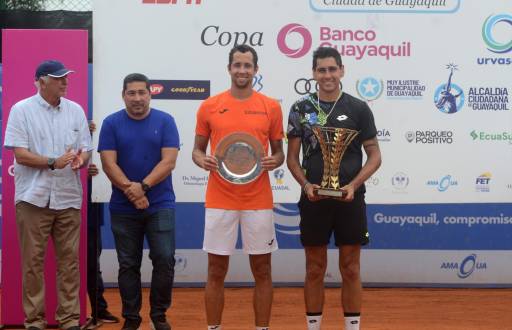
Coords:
442,268
430,97
180,89
462,244
407,226
378,267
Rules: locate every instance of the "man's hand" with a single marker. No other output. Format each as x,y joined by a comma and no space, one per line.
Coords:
77,161
270,163
92,170
64,160
309,190
134,191
141,203
349,189
210,163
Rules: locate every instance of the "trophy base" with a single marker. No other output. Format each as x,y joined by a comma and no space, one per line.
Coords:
331,193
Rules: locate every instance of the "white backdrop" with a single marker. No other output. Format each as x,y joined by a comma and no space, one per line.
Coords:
439,207
192,41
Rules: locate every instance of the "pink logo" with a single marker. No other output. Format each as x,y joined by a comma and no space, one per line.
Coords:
156,89
294,28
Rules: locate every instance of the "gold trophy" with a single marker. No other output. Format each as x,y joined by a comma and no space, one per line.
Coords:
333,142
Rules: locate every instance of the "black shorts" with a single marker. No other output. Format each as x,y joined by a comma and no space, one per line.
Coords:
318,220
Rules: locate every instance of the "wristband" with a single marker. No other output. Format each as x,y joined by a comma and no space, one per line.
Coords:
304,186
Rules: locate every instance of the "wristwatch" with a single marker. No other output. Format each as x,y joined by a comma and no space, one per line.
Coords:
145,186
51,163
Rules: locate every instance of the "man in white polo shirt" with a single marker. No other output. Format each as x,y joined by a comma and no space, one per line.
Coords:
51,142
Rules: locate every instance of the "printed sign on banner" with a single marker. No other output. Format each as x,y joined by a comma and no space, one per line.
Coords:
434,73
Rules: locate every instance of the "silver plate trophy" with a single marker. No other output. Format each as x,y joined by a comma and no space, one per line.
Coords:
239,158
333,142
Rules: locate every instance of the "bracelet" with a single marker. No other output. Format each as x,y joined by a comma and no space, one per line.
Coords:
304,186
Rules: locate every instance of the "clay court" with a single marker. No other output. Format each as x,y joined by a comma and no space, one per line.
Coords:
383,309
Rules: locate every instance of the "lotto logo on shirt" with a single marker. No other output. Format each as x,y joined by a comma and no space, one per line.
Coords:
180,89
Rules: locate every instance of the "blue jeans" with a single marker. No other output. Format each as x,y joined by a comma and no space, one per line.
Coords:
129,231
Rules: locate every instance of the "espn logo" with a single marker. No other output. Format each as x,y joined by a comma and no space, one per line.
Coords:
172,2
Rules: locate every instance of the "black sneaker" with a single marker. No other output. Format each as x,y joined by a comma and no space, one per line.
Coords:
107,317
75,327
131,325
160,324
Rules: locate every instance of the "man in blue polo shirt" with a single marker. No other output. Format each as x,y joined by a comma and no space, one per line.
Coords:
139,146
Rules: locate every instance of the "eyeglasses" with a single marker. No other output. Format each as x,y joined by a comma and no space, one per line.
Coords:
330,69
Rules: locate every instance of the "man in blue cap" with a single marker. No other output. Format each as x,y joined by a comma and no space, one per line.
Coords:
50,139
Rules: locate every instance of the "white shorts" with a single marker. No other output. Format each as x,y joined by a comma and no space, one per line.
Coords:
221,231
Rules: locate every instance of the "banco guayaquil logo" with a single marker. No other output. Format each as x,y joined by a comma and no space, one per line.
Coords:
449,97
369,88
287,43
466,267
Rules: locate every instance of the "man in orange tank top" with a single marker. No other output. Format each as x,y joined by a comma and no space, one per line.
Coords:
228,205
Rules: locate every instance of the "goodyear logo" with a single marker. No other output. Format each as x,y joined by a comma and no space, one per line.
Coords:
180,89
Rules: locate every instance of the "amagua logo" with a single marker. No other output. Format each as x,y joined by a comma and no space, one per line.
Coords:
443,184
446,100
466,267
283,40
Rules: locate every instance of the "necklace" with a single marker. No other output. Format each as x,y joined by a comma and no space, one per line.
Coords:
322,116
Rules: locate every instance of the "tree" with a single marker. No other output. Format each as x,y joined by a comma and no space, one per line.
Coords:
22,4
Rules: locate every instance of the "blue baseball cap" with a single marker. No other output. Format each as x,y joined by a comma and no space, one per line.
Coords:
52,68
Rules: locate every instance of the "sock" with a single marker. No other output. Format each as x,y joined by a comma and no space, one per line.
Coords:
214,327
314,320
352,321
262,328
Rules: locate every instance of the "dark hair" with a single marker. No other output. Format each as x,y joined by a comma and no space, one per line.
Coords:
133,77
243,49
325,52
